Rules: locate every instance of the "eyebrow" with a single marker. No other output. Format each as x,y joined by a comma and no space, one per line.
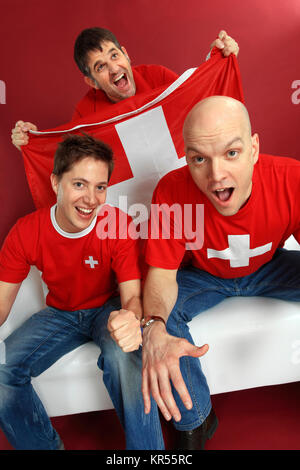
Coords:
86,181
229,144
99,62
233,141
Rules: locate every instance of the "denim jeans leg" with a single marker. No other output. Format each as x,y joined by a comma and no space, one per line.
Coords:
122,376
30,350
197,291
279,278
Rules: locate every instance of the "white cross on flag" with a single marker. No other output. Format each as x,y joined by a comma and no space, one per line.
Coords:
145,133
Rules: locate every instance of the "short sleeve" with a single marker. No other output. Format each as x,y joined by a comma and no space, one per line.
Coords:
14,266
165,247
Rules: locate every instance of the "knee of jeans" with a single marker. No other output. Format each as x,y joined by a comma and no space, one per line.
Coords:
114,358
177,322
122,373
12,375
5,376
110,353
6,383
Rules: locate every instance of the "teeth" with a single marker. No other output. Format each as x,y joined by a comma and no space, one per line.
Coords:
219,190
86,211
119,78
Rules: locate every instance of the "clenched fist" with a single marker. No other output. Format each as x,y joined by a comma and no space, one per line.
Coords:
226,43
19,134
125,329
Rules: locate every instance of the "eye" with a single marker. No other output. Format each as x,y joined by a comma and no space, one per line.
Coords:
101,188
198,160
78,184
99,67
232,153
115,55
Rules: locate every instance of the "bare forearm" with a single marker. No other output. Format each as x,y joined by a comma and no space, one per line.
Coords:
3,316
135,305
161,350
160,294
8,293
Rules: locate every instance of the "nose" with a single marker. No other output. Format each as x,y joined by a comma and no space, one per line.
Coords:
90,197
113,67
217,171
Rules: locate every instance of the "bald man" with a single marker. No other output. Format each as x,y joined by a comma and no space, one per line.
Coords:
244,206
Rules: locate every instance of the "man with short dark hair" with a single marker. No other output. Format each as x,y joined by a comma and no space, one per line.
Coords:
107,70
82,270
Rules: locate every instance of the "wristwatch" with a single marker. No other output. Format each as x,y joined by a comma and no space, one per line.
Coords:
147,321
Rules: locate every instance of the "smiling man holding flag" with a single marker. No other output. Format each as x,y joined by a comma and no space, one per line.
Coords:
106,68
139,128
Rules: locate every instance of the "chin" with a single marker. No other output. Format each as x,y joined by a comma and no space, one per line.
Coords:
226,211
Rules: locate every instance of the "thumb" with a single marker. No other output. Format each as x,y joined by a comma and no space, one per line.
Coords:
28,126
219,44
197,351
222,35
111,319
122,311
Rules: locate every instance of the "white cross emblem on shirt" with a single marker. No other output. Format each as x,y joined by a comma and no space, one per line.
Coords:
238,251
91,261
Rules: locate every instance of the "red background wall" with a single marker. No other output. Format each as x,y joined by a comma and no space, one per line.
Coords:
39,81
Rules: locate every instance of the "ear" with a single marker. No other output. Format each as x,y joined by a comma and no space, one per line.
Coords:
91,82
125,53
255,147
54,183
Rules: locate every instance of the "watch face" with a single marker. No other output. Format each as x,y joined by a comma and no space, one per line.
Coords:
150,319
147,322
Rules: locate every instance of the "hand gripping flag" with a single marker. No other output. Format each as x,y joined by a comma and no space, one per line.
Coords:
145,133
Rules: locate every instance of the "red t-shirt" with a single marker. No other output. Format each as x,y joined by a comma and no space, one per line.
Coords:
233,246
146,77
79,269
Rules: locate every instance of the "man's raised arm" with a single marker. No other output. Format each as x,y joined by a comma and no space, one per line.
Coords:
161,351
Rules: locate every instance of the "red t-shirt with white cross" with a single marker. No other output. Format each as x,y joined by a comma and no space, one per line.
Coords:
231,246
80,270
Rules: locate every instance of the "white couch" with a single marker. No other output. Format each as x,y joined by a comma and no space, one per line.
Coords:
253,342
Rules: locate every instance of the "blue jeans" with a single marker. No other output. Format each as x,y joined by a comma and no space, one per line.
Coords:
199,291
42,340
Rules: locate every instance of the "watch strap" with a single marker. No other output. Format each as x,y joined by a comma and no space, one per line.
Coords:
149,319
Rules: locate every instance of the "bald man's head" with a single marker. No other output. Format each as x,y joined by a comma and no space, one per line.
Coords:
220,151
214,111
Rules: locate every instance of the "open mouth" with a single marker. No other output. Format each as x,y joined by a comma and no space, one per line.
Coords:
121,81
224,194
84,212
